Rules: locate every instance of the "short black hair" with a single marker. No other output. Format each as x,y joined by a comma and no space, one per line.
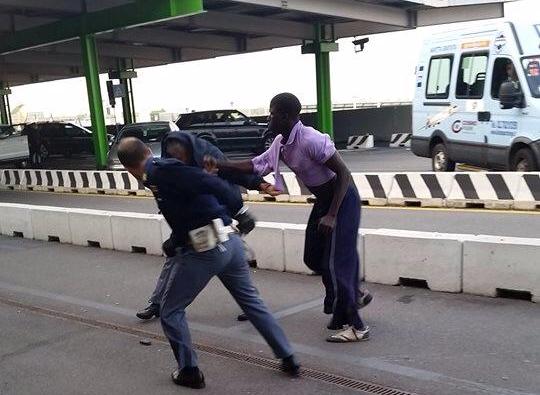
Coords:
131,151
286,103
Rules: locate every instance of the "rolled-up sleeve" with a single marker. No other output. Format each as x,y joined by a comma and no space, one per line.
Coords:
321,149
264,164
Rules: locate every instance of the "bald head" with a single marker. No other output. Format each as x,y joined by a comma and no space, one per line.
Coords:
132,152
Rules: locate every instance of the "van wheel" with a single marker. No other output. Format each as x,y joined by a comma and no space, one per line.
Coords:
523,160
440,160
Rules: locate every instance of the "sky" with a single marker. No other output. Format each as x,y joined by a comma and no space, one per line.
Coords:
383,72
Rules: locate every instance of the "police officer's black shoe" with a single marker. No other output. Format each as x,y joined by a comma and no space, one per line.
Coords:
290,366
189,377
242,317
149,312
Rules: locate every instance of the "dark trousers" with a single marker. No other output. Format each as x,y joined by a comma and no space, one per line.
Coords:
336,257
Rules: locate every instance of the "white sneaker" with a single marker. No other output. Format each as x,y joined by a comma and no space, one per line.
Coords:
349,335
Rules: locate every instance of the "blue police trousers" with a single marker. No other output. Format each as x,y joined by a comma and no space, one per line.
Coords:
165,274
190,273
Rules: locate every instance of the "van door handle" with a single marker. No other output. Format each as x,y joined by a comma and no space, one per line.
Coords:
484,116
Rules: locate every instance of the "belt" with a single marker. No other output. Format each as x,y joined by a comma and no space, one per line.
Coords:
209,236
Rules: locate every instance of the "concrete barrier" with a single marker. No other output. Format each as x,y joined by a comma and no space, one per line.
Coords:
51,224
294,236
400,140
447,262
165,229
361,141
136,232
394,254
267,240
420,189
15,220
494,263
479,190
527,196
373,188
488,190
91,228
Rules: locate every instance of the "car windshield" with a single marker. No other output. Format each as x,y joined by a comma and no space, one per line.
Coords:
531,66
148,134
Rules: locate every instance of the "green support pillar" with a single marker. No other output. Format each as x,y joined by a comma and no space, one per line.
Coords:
325,119
4,113
91,71
321,48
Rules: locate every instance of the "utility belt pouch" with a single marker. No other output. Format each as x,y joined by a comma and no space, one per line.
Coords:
207,237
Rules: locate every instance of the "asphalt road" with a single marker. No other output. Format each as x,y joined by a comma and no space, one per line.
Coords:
500,223
68,327
364,160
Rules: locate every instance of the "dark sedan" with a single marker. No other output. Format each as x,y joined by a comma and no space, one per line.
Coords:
229,130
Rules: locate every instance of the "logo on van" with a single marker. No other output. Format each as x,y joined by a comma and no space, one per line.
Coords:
457,126
500,42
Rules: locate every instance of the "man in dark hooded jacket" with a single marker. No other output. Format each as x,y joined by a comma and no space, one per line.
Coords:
191,150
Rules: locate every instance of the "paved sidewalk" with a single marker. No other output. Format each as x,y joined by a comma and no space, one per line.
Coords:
422,341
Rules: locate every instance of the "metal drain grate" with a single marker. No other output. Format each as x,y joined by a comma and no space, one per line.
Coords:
325,377
328,378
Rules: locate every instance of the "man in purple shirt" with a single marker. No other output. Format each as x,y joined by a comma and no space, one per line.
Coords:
332,230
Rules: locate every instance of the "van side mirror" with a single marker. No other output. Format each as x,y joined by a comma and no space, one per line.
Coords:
511,96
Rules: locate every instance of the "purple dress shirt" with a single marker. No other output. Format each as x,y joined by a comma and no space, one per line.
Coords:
304,153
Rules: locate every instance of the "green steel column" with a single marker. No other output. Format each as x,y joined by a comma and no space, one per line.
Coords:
321,47
325,118
91,71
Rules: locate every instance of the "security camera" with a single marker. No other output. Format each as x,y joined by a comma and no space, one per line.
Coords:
359,44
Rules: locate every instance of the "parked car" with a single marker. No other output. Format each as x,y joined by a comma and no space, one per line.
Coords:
13,146
229,130
151,133
58,138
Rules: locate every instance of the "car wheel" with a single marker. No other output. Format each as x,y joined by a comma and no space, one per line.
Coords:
523,160
440,160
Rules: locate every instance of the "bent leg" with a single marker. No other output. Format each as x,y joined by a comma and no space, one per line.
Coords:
236,278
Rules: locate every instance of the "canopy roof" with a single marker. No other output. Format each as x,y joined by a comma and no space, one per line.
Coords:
39,38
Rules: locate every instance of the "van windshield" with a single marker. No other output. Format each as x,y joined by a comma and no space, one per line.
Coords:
531,66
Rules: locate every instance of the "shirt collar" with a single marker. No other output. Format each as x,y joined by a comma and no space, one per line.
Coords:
294,132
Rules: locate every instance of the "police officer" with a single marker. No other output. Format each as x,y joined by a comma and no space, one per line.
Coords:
191,150
196,206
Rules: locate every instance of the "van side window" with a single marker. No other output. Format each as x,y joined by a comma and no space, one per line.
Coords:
438,83
503,71
472,76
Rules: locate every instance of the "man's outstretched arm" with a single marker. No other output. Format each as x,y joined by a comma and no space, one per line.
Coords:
213,165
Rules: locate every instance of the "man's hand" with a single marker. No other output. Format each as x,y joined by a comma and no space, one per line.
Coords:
327,224
210,164
169,247
269,189
246,222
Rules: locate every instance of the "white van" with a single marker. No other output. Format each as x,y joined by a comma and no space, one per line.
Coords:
477,98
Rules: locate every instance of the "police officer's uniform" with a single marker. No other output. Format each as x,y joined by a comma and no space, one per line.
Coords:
196,206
